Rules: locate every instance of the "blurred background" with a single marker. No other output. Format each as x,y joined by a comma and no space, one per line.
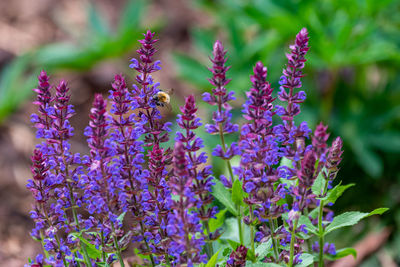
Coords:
352,83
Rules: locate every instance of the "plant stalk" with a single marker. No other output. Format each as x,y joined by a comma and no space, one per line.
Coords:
292,240
274,243
228,163
321,229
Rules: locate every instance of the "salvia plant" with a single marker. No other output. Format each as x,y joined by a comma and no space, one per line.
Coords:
136,201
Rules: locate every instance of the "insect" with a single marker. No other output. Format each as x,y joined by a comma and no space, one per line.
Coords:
162,98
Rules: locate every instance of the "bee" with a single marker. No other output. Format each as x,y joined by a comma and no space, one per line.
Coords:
162,98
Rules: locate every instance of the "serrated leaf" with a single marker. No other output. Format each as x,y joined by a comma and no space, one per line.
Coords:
264,249
314,213
341,253
220,192
351,218
91,249
233,244
310,227
213,261
262,264
336,192
237,193
306,260
319,184
214,224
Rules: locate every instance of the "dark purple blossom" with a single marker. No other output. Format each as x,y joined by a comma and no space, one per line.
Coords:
102,187
189,122
220,97
237,257
329,248
184,226
156,195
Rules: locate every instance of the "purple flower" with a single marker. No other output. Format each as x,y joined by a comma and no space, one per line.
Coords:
220,97
156,202
184,225
238,257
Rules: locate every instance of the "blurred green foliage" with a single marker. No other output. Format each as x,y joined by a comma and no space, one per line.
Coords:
97,43
352,78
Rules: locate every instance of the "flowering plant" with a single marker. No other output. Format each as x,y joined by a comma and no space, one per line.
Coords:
133,195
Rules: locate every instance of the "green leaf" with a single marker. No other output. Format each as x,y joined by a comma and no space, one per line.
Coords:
351,218
285,162
341,253
310,227
216,223
319,184
378,211
237,193
336,192
307,260
233,244
212,262
93,252
250,255
72,258
264,249
121,217
262,264
220,192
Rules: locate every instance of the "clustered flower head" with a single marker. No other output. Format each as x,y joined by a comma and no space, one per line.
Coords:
132,191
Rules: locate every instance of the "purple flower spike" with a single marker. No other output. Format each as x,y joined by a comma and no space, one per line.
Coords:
292,74
155,197
220,97
184,222
334,158
43,100
319,139
102,187
260,149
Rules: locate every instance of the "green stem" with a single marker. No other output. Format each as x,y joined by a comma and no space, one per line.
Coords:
46,253
252,231
321,237
84,251
308,240
147,246
292,240
228,163
121,261
71,195
274,243
103,253
239,221
321,229
209,247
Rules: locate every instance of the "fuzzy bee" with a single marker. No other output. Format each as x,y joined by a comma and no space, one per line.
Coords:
162,98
